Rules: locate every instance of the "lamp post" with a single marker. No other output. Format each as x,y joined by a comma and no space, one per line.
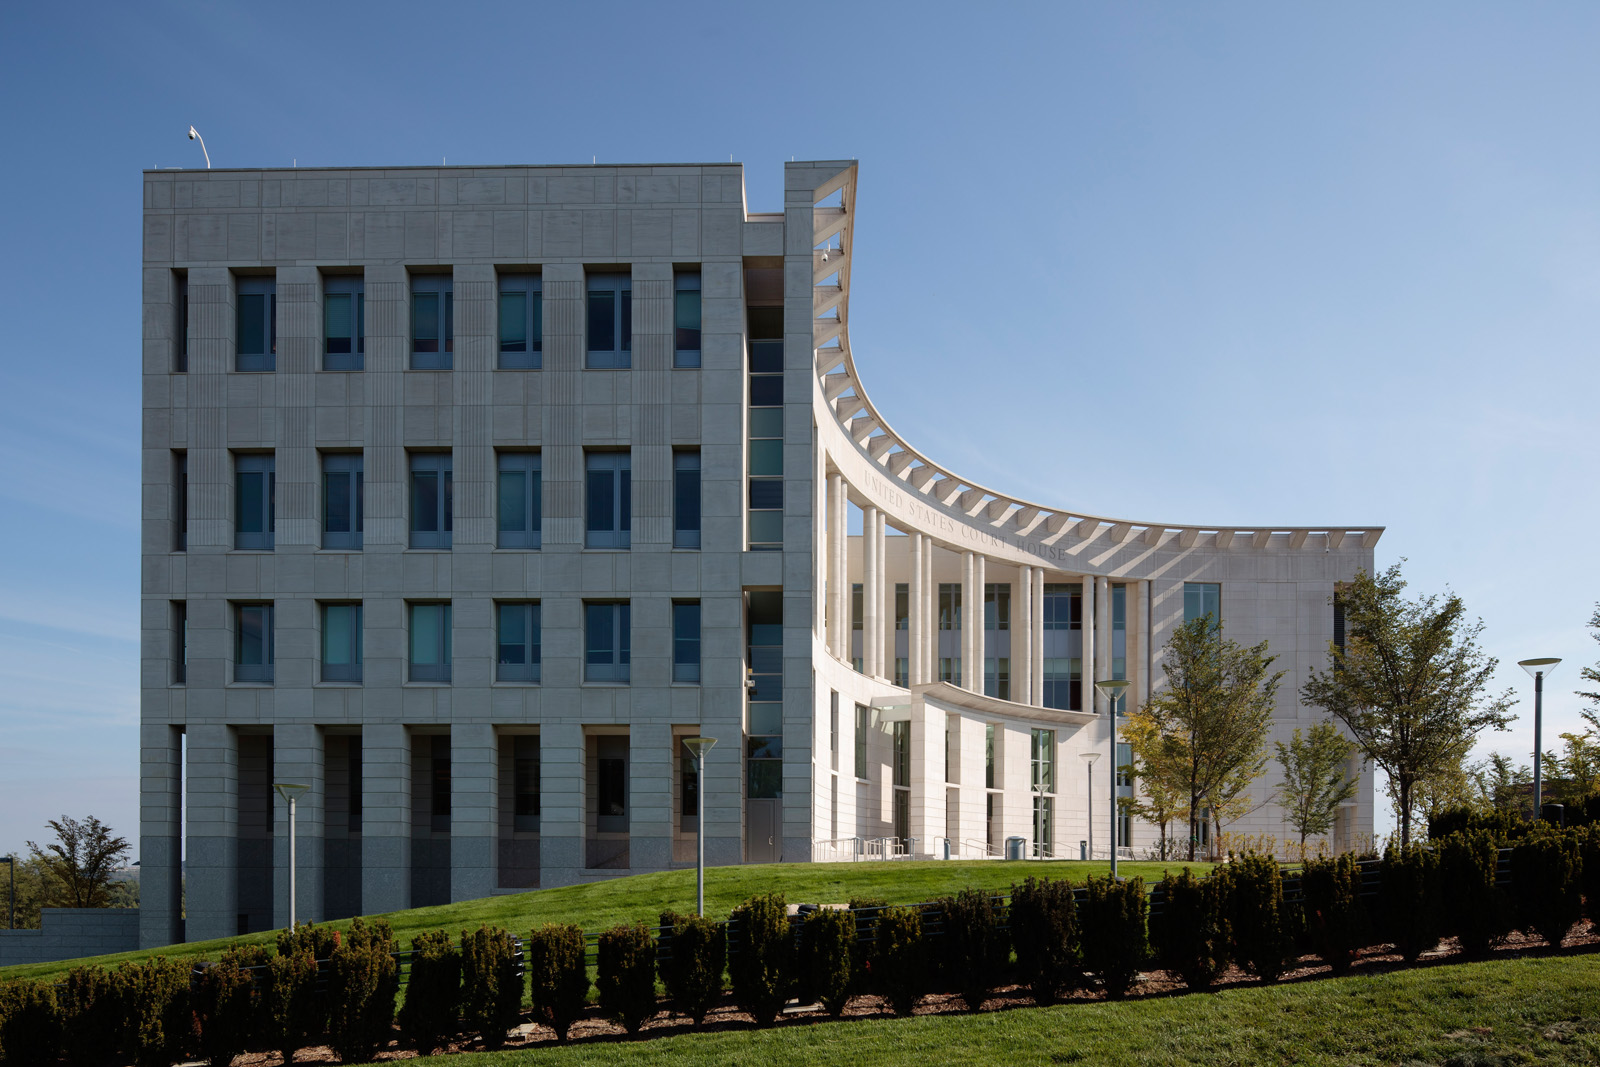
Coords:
1088,759
1113,689
289,792
194,135
698,747
1538,668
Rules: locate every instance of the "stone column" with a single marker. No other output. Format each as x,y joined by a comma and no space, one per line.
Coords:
160,830
1036,639
917,625
561,803
211,858
972,622
885,602
1138,649
871,579
1091,702
385,817
927,776
1103,645
297,756
474,810
930,615
838,580
1022,638
650,765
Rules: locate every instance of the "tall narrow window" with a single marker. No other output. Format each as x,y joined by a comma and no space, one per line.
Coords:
686,641
518,493
439,780
1044,787
901,775
610,321
902,606
521,322
252,643
949,606
433,322
1119,632
525,783
686,318
344,324
686,498
609,522
863,736
432,500
180,494
430,642
517,628
343,500
180,325
688,790
180,642
255,320
765,449
607,640
254,501
988,755
833,729
1201,599
764,712
341,642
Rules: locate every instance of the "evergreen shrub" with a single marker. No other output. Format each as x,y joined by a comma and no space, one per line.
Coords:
696,955
626,975
1190,933
30,1024
431,1014
1044,929
491,984
1258,922
1476,911
89,1004
1335,918
1547,882
558,975
363,982
761,956
1411,903
829,961
158,1024
900,959
972,946
1115,936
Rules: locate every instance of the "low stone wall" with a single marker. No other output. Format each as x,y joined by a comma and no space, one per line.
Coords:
68,933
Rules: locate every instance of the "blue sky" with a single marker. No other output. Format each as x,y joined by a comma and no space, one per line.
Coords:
1237,263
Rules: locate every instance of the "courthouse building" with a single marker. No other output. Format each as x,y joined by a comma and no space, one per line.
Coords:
593,471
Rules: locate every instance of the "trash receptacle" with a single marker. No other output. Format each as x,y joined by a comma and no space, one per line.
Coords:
1083,850
1016,848
1554,814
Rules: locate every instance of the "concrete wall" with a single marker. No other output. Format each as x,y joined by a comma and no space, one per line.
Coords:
70,933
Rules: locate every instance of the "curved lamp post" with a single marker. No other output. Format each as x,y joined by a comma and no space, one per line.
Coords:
1538,668
1113,688
194,135
698,747
290,792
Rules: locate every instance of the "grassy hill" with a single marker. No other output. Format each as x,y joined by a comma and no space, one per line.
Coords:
642,897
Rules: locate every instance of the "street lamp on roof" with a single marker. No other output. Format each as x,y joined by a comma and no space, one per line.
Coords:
1539,668
1113,688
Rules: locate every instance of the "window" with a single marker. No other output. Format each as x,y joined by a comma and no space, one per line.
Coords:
430,642
180,642
180,493
254,492
341,642
950,669
997,606
1063,607
1201,599
997,677
901,778
686,318
344,324
988,755
1063,683
863,736
521,322
610,500
1338,615
1119,631
949,606
606,642
613,787
610,321
1044,786
517,630
252,643
525,783
765,450
902,606
180,324
689,789
439,783
432,500
256,333
342,500
686,499
686,641
433,327
518,494
902,671
833,729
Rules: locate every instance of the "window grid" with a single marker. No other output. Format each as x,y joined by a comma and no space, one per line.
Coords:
686,641
432,322
432,500
1201,599
180,642
343,500
607,642
518,491
686,318
521,322
344,324
525,783
765,450
610,321
518,644
180,492
609,485
341,642
430,642
254,502
686,498
255,322
253,643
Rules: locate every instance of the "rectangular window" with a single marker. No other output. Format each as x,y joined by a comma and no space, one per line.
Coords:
1063,683
525,783
518,493
688,791
432,500
1338,615
613,787
252,643
686,318
1044,761
997,677
521,322
901,768
609,493
343,500
1124,766
439,784
1201,599
180,494
833,728
341,642
988,755
764,713
433,322
902,606
902,671
255,320
254,501
344,323
607,635
863,735
610,316
517,642
1119,631
1063,607
997,606
950,669
180,324
949,606
765,441
686,499
686,641
430,642
180,642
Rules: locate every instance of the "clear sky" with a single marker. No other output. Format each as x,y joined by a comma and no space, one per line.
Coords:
1224,263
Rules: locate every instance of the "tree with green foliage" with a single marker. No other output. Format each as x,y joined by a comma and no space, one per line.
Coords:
81,860
1503,785
1408,683
35,889
1203,736
1316,778
1592,676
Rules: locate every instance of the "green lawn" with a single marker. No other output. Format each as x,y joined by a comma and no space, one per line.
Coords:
643,897
1520,1011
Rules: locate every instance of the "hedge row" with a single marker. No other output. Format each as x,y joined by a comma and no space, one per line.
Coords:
325,987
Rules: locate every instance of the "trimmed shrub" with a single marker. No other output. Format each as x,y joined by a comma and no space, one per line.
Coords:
972,947
1589,874
227,1004
30,1024
157,1025
491,987
1546,883
1044,928
899,959
829,960
363,982
626,975
1258,922
1115,940
558,975
431,1014
89,1004
761,956
1190,933
1476,910
692,970
1503,824
1336,921
1410,900
292,1013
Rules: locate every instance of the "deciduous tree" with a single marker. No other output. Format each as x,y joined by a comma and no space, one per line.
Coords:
81,860
1316,778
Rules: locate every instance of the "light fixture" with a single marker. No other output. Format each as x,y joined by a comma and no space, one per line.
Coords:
1538,668
1113,688
290,792
698,747
194,135
1088,759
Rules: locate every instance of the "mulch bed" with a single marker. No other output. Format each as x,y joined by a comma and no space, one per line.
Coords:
1583,939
